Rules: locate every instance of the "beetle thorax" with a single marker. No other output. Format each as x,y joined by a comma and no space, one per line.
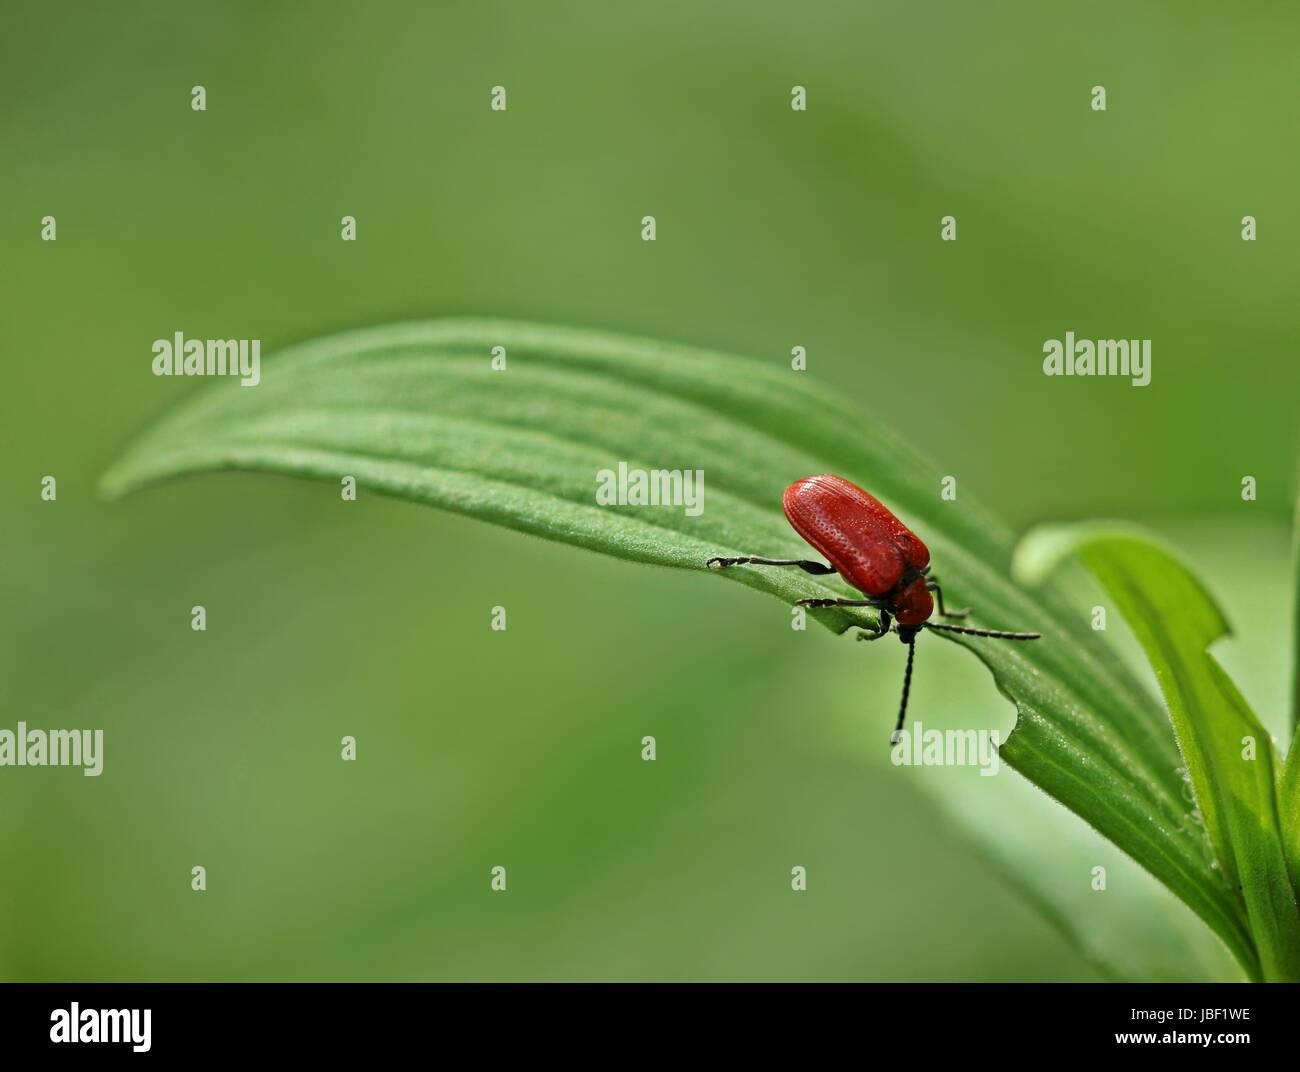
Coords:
910,602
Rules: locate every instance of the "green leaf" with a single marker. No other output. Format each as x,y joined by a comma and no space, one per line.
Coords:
1228,753
1131,930
1288,804
415,411
1288,790
1295,623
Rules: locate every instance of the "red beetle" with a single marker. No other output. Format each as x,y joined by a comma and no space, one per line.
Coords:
874,552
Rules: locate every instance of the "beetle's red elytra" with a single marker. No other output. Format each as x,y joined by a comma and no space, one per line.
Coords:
876,554
868,546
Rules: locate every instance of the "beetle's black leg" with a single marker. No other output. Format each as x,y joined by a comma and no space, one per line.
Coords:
839,603
907,687
816,568
933,586
882,627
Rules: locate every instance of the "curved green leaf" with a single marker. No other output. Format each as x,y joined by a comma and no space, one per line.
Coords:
1289,787
415,410
1131,929
1229,754
1288,804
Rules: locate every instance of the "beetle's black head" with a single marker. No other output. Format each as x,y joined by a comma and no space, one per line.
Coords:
907,633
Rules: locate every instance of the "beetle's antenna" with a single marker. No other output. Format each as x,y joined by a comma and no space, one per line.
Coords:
907,687
997,634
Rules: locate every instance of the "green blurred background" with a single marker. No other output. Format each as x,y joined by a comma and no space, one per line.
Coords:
775,229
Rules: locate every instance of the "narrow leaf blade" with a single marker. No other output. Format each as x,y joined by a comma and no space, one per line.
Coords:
1228,753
